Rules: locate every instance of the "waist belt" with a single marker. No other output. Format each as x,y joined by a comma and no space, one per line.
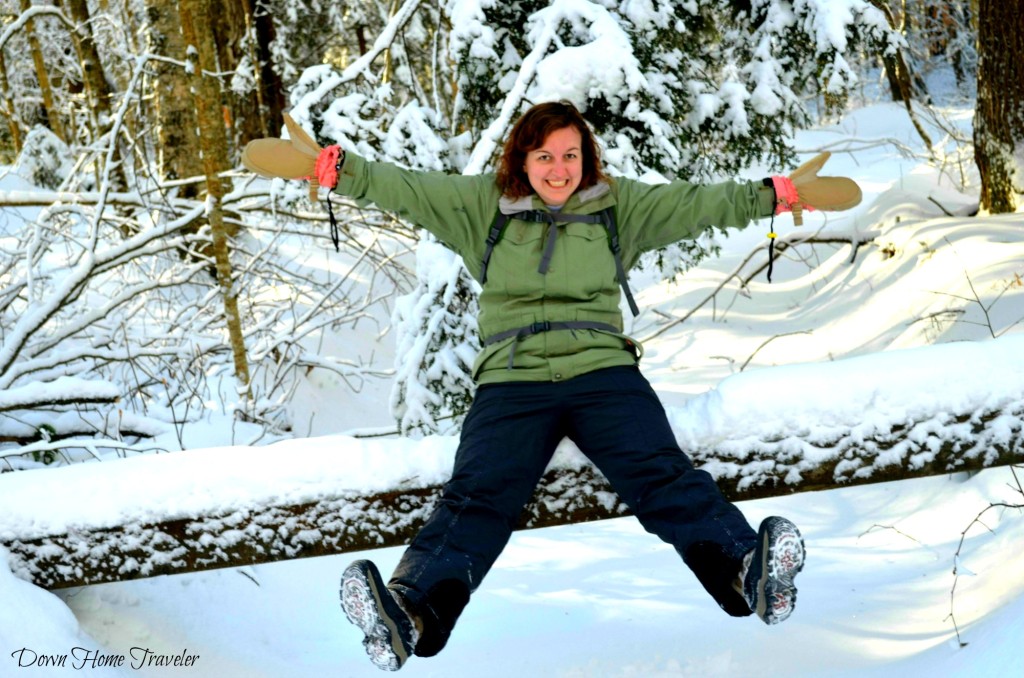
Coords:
536,328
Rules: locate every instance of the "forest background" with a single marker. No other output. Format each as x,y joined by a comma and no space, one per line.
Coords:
154,297
147,281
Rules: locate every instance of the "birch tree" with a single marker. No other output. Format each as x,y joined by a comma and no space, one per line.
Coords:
9,110
98,93
178,146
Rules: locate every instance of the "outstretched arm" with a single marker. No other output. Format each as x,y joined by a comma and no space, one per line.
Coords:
656,215
457,209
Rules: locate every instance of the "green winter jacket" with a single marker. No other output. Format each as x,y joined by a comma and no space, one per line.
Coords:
580,284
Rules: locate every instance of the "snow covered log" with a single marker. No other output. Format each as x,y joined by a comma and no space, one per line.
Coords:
338,524
882,417
569,493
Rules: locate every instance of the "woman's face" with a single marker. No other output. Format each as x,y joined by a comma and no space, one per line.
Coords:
555,169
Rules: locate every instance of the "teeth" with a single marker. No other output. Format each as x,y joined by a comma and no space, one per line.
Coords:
559,184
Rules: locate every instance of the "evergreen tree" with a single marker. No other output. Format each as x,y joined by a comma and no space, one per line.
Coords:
673,88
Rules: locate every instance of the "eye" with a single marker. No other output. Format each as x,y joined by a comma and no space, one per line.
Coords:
571,156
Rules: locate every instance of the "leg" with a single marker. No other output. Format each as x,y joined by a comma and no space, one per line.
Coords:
507,441
618,422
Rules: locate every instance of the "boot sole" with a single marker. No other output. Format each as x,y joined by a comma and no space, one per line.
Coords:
778,559
368,604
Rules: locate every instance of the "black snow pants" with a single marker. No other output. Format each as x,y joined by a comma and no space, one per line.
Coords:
508,438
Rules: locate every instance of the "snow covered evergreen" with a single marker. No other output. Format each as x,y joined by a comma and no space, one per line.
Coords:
687,90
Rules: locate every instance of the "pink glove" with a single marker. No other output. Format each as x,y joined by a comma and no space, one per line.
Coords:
328,164
786,196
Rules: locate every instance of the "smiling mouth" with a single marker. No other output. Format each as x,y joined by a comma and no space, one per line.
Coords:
558,184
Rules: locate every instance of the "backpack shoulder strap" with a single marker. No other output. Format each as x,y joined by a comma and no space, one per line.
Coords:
605,216
497,228
608,217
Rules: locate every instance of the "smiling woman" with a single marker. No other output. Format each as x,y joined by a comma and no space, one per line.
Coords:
554,237
550,151
554,169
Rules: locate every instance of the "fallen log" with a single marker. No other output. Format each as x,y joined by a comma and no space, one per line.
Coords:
760,433
570,492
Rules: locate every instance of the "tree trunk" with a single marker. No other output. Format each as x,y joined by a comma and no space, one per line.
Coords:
999,113
97,90
178,146
8,102
259,125
273,104
52,114
227,28
213,144
270,99
242,30
898,73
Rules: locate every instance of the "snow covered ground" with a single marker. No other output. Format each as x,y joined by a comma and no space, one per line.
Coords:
597,600
607,600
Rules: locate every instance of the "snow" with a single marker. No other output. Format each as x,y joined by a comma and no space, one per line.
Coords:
925,322
607,599
831,398
840,393
214,481
62,387
602,599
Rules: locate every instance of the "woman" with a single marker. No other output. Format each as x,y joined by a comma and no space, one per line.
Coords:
555,364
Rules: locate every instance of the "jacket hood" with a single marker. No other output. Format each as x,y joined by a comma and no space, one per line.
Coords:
507,205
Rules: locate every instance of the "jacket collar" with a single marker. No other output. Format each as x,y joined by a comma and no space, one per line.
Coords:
507,205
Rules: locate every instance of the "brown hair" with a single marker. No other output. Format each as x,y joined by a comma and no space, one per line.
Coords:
529,133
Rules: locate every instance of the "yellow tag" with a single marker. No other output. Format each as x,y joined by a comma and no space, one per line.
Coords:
772,236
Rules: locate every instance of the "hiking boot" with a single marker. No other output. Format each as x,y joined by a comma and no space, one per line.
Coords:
771,567
390,631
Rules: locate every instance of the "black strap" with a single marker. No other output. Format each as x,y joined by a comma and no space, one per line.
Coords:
605,217
549,246
771,226
620,271
335,238
492,239
520,333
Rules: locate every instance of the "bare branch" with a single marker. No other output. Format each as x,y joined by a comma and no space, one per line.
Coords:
768,341
782,244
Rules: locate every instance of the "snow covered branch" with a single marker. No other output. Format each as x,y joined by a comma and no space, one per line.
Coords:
62,391
27,16
360,67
